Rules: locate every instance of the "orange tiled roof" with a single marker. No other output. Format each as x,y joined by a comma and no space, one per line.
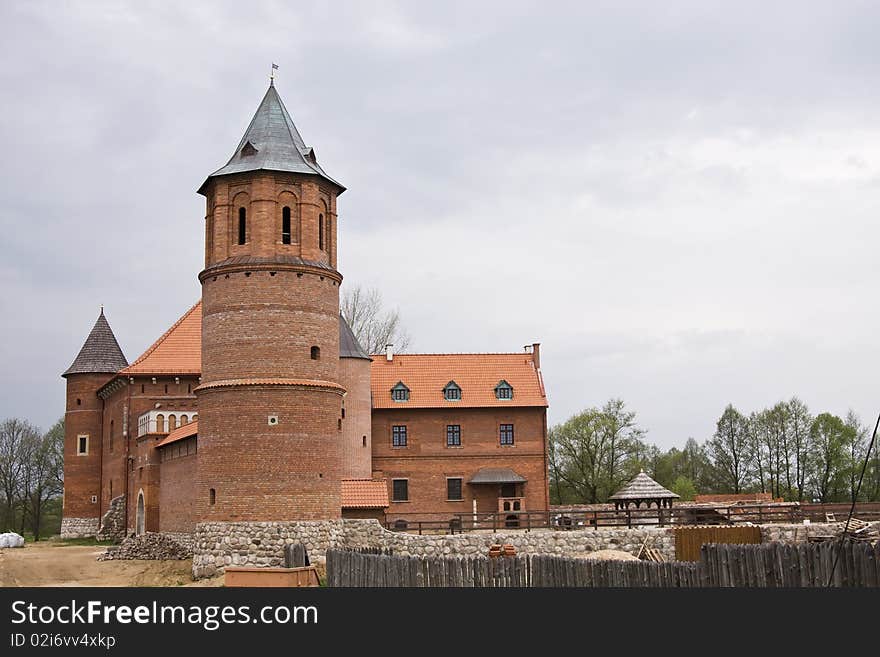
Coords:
477,374
364,494
178,351
185,431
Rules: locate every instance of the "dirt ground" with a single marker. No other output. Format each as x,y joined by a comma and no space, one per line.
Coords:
54,564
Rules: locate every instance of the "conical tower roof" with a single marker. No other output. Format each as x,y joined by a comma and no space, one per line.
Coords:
100,354
642,487
349,347
272,142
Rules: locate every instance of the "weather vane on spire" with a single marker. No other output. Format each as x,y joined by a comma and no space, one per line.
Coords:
272,74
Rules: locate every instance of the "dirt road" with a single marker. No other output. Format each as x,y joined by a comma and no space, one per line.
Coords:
52,564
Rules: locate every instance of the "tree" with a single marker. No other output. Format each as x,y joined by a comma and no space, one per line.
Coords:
44,473
729,449
684,488
799,422
828,457
595,452
372,324
856,443
16,438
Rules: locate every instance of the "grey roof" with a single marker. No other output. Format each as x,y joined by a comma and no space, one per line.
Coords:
349,347
642,487
275,144
496,476
100,353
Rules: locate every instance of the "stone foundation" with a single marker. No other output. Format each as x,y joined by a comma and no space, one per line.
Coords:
224,544
79,527
794,533
113,521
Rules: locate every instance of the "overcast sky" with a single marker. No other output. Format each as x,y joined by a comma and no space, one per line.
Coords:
678,200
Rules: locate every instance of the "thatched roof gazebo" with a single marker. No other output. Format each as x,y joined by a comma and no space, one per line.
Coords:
643,489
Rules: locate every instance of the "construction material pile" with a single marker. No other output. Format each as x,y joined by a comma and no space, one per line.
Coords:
151,546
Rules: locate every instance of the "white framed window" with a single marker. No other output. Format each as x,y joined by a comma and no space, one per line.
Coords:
82,445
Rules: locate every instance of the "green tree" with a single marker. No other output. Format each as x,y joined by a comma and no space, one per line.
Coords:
828,458
685,488
729,450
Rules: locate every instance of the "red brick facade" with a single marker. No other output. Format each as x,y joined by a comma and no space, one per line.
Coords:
427,462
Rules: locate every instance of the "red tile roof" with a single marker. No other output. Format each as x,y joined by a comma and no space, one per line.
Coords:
185,431
364,494
476,374
178,351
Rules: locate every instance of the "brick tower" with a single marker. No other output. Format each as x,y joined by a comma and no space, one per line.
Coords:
96,363
270,402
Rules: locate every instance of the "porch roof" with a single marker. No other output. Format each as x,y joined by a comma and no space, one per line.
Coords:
497,476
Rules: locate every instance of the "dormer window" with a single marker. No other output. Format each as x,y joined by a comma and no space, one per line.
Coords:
503,390
248,150
452,392
400,393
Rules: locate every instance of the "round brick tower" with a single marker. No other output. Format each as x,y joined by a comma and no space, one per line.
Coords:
270,402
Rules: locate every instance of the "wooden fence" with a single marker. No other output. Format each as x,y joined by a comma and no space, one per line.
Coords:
689,540
770,565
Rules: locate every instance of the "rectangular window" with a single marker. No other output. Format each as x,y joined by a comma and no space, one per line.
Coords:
399,490
453,435
398,435
82,445
506,434
453,489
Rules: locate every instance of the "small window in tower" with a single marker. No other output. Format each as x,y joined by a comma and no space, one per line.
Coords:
142,388
343,413
79,402
166,388
82,445
316,353
365,441
285,225
321,232
212,495
339,425
242,225
111,435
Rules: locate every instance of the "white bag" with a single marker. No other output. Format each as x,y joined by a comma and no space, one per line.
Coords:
11,540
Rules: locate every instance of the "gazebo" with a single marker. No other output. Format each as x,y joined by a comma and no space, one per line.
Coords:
643,489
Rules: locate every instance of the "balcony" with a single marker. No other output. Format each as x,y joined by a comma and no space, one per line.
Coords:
164,421
511,504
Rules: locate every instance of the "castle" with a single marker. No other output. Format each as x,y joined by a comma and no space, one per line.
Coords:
259,404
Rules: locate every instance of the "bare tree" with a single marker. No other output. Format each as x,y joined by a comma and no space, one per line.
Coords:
16,436
43,477
374,325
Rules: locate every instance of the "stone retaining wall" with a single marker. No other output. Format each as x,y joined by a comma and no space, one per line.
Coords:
222,544
795,533
79,527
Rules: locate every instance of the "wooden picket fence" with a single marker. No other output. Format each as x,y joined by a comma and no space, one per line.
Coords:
771,565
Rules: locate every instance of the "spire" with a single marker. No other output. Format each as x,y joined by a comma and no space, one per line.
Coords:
272,143
349,347
100,354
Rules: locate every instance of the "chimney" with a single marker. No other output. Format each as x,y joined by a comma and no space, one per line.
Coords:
389,352
536,354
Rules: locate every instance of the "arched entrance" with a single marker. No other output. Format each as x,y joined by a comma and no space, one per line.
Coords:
140,514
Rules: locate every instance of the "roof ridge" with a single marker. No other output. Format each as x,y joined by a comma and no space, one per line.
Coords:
462,353
162,338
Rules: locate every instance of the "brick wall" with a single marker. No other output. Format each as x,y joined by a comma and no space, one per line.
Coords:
427,462
177,494
354,376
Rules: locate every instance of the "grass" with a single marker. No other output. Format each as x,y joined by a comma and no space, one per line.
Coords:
63,542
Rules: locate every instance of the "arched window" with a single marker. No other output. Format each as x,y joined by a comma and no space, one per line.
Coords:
212,494
160,423
365,441
285,225
184,420
172,422
316,353
242,225
321,232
